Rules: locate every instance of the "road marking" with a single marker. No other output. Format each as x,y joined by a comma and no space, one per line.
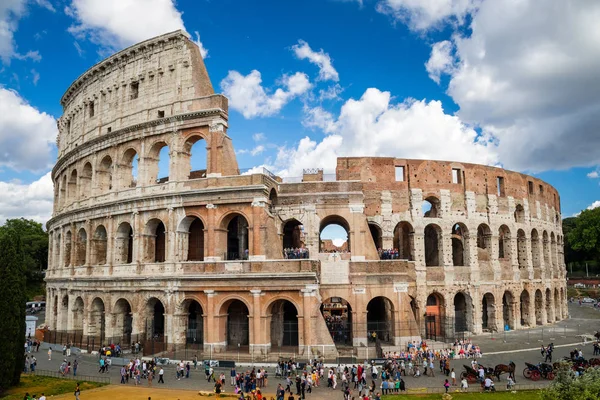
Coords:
532,349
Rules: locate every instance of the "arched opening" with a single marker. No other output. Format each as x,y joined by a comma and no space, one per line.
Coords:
237,238
155,320
63,192
194,149
293,240
519,214
104,175
99,246
522,249
155,241
338,317
546,252
129,169
376,235
56,248
507,310
196,241
85,181
284,324
553,256
484,243
73,186
157,163
460,245
81,247
433,250
404,240
563,299
97,322
77,315
68,247
414,307
272,199
123,321
535,249
431,207
524,308
557,312
334,235
380,320
434,317
504,248
238,327
549,311
463,314
488,313
124,244
539,307
64,313
195,323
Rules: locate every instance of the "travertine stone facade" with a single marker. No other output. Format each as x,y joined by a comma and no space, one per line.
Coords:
199,255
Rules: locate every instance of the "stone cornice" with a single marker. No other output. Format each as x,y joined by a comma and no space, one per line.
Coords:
155,122
123,54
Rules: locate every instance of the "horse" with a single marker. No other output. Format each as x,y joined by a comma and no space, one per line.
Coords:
502,368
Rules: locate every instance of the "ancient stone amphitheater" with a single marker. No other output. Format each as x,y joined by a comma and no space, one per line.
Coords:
202,256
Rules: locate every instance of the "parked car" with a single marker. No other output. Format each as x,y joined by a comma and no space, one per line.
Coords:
588,300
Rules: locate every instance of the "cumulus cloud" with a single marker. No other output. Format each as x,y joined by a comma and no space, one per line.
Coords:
32,201
258,137
440,61
423,15
320,58
11,11
254,151
203,50
119,23
594,174
248,96
374,126
26,134
595,204
526,72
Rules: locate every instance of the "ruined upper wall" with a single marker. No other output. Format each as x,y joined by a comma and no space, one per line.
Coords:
157,78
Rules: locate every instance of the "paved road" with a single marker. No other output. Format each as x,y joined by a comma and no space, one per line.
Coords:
520,346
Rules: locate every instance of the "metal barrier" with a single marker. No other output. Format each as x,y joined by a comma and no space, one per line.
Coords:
55,374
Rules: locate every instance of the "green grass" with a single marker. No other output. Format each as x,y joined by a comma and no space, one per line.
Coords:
33,384
519,395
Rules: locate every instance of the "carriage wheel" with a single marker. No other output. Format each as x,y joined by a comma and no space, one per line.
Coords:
535,376
471,379
550,376
527,373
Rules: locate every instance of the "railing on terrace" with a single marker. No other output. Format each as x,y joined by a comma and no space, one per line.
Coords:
257,170
56,374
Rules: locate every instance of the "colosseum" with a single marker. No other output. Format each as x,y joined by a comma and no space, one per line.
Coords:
227,259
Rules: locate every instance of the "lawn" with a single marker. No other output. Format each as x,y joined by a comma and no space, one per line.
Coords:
33,384
520,395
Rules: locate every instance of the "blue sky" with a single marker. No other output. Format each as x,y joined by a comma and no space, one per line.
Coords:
509,83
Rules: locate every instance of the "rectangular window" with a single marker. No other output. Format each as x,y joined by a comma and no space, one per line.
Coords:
541,189
530,187
400,174
91,109
456,177
108,130
500,186
135,86
161,114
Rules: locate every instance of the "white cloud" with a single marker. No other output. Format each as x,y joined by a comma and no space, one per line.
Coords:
248,96
203,50
373,126
317,117
46,4
254,151
527,73
27,136
423,15
331,93
30,55
258,137
79,49
593,174
32,201
440,61
35,77
595,204
320,58
115,24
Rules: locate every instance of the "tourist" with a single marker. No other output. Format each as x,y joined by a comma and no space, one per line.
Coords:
75,366
510,383
453,377
50,353
446,385
161,374
232,376
218,389
77,392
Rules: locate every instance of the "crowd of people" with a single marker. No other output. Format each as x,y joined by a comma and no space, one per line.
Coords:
338,328
295,253
388,254
419,351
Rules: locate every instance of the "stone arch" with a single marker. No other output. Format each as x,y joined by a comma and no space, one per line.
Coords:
380,319
484,243
431,207
63,191
535,249
521,249
553,255
549,310
77,314
123,320
236,225
376,235
129,168
557,308
327,245
504,243
283,315
64,312
81,247
194,158
194,321
99,246
272,198
152,161
155,318
539,307
525,307
97,321
488,312
191,235
68,248
236,324
85,181
72,186
124,244
337,313
155,238
56,249
293,234
519,214
434,255
546,252
508,314
463,313
104,175
460,245
435,316
404,240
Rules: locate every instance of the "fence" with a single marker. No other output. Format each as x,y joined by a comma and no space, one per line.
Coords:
88,378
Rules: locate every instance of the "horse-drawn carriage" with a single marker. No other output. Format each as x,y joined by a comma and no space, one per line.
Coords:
472,375
537,371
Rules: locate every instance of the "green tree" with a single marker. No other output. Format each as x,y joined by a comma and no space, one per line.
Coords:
583,234
12,299
567,387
